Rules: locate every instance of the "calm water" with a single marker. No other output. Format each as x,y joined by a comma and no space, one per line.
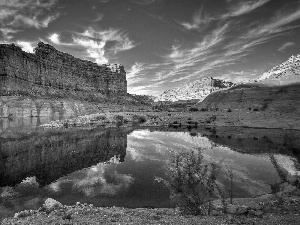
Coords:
126,166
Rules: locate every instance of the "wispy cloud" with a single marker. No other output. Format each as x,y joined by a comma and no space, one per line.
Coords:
244,7
223,46
198,21
286,45
99,17
143,2
134,72
16,15
94,42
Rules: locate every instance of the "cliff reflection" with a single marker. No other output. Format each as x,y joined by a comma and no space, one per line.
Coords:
50,155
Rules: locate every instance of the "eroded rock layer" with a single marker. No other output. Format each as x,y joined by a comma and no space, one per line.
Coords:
52,73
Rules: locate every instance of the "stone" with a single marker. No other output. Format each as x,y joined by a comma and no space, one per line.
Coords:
51,204
257,213
232,209
49,72
21,214
242,210
255,206
236,209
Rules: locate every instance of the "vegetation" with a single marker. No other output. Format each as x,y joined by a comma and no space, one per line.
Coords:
193,183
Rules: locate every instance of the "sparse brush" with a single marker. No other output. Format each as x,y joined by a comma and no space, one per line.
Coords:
193,182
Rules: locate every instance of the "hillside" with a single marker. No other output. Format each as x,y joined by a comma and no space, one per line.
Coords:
199,89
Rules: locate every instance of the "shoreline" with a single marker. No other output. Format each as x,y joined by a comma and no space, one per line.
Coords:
265,209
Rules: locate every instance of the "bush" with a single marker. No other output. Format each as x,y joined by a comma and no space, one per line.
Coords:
229,110
193,183
139,119
193,109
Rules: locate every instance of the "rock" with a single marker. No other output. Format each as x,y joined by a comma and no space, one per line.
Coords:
51,72
51,204
242,210
232,208
255,206
236,209
257,213
21,214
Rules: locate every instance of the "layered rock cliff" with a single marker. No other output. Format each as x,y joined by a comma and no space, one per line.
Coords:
199,89
51,73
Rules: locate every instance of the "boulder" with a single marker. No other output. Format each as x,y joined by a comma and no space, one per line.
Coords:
51,204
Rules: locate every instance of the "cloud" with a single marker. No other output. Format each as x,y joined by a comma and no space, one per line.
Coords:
99,17
198,20
94,49
54,38
16,15
136,68
94,43
26,46
218,48
143,2
286,45
244,7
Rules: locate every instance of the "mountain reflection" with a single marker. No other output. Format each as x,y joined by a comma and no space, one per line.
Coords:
48,156
130,168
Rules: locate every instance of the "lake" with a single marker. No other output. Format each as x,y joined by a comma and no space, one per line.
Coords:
130,167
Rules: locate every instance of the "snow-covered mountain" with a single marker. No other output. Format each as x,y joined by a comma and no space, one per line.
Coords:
199,89
286,72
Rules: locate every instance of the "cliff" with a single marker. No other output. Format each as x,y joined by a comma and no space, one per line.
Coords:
199,89
51,73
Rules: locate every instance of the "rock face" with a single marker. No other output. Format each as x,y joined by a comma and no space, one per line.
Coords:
199,89
286,72
51,73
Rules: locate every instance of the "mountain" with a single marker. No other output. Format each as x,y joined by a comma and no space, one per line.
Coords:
276,91
198,89
285,73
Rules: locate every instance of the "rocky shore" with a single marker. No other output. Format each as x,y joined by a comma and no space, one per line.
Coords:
281,208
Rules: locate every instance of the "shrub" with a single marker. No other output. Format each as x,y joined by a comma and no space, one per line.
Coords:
229,110
193,109
193,183
100,118
138,119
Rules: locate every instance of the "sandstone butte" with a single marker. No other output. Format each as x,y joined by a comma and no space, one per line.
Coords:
51,73
52,83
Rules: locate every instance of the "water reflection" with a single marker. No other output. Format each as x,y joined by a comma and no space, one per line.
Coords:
117,167
50,155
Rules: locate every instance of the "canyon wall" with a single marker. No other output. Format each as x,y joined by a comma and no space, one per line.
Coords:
49,156
51,73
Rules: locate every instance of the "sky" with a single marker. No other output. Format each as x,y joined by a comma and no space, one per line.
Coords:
162,44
